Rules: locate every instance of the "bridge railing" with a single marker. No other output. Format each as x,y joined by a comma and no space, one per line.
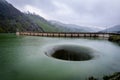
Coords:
67,34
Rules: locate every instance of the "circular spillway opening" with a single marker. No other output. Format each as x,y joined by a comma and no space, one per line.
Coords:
70,53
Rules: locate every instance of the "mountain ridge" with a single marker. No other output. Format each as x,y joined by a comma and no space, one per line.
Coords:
114,29
72,27
11,19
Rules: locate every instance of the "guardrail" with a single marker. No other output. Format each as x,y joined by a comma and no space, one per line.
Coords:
66,34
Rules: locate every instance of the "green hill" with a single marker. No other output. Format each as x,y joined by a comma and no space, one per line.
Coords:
45,25
11,19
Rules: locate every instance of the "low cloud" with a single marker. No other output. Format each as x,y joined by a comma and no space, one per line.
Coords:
97,13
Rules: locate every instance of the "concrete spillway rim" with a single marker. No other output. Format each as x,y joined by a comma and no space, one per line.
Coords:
76,51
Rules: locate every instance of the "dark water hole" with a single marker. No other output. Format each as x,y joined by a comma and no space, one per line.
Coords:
70,53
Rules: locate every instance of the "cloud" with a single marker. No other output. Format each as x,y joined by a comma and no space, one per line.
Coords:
62,9
35,10
101,13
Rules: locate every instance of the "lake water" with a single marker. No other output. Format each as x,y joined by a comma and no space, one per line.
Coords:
24,58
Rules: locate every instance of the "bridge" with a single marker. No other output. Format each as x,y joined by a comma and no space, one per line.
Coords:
67,34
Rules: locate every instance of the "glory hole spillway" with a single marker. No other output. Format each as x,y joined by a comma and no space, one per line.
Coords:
44,58
70,52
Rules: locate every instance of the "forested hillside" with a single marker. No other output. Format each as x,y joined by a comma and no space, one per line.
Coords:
11,19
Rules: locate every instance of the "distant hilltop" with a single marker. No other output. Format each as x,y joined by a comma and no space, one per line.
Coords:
114,29
12,20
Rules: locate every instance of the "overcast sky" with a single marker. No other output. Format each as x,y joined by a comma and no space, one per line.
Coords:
96,13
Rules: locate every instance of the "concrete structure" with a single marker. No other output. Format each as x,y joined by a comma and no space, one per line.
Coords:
67,34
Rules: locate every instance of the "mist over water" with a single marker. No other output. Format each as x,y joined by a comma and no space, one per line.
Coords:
24,58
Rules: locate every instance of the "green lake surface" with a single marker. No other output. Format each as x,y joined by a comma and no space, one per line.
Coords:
24,58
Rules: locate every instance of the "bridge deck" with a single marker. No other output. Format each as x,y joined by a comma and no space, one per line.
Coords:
66,34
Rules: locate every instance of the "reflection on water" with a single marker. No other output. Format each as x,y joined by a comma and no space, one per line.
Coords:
23,58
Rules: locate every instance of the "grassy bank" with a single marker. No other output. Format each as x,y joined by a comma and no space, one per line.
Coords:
115,38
